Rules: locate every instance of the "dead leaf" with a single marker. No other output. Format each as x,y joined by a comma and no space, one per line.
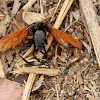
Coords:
2,16
74,59
7,18
9,56
2,30
62,58
31,17
38,83
76,14
20,78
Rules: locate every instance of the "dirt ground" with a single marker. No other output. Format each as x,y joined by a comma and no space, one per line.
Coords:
79,77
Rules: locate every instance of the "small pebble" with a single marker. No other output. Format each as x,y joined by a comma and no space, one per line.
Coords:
71,93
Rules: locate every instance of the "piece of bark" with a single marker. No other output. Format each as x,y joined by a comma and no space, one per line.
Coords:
45,71
91,24
9,90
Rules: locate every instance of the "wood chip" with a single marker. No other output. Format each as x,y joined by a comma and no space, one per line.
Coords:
51,72
91,24
79,78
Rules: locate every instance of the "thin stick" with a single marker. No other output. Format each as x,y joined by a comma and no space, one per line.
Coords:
16,6
47,17
28,86
62,14
56,9
29,4
45,71
57,91
41,6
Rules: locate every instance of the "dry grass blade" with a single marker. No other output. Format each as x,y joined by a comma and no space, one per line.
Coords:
41,6
57,91
88,47
79,78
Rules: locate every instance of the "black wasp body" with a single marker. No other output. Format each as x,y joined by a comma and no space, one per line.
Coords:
39,38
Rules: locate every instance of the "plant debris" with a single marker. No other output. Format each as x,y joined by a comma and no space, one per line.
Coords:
69,73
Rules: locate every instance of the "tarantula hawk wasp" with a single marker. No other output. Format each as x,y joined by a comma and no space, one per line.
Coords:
39,38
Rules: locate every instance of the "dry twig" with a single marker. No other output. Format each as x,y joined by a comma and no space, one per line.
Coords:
91,24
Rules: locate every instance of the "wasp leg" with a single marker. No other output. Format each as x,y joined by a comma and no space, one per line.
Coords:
46,41
45,53
41,63
34,52
42,52
24,48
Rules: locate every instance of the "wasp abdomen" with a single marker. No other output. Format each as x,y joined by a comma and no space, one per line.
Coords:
39,38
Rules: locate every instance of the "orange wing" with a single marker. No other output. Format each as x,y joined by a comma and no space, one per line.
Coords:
64,38
12,39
